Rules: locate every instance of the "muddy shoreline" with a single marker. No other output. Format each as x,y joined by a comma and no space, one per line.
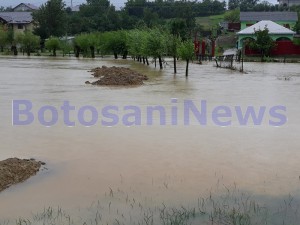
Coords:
14,171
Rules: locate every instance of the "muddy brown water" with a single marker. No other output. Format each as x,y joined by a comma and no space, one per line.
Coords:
166,163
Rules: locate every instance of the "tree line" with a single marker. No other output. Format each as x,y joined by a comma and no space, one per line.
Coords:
54,18
139,44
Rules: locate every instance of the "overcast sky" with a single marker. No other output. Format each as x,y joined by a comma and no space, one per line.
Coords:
117,3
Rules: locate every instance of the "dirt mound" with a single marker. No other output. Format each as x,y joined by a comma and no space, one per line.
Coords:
14,170
117,76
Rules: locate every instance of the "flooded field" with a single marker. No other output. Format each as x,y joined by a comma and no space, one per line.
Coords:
150,164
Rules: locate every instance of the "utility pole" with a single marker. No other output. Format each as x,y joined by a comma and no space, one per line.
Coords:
71,4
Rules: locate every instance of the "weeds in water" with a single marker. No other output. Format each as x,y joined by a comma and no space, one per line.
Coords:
176,216
230,208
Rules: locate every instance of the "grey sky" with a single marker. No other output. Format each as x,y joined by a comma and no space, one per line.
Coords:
117,3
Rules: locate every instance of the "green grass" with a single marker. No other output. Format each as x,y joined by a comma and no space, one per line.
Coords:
208,22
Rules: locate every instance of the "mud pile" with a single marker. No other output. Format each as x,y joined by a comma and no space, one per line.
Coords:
14,170
117,76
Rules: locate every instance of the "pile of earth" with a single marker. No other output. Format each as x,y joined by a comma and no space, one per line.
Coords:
14,170
117,76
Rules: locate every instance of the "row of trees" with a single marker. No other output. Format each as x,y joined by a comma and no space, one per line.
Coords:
140,44
255,5
55,19
27,41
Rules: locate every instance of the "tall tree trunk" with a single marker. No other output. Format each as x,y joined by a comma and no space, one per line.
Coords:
15,50
187,68
147,61
116,55
160,63
92,51
125,54
175,67
54,51
77,51
155,62
144,60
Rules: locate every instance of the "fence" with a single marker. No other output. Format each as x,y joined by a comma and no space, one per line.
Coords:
282,48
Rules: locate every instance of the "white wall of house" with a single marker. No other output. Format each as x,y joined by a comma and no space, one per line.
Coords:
20,28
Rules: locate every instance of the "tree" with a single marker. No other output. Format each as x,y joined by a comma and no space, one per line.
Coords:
178,27
82,45
172,45
115,42
233,4
232,16
65,46
7,38
3,38
29,42
137,44
262,43
297,26
7,9
52,44
248,5
97,15
51,19
156,45
186,52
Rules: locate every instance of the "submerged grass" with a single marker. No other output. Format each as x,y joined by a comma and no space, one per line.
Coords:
118,208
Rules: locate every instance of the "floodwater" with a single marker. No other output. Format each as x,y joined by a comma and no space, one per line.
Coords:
173,164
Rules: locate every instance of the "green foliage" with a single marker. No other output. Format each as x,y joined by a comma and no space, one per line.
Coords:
296,41
252,5
156,43
29,42
3,38
233,4
136,41
10,36
232,16
95,15
7,9
262,43
115,42
51,19
186,52
83,42
297,26
100,15
206,25
52,44
173,44
178,27
65,46
88,43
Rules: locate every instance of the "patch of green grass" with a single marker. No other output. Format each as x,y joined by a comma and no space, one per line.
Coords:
208,22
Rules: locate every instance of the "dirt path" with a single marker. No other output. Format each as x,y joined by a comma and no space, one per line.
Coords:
14,170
